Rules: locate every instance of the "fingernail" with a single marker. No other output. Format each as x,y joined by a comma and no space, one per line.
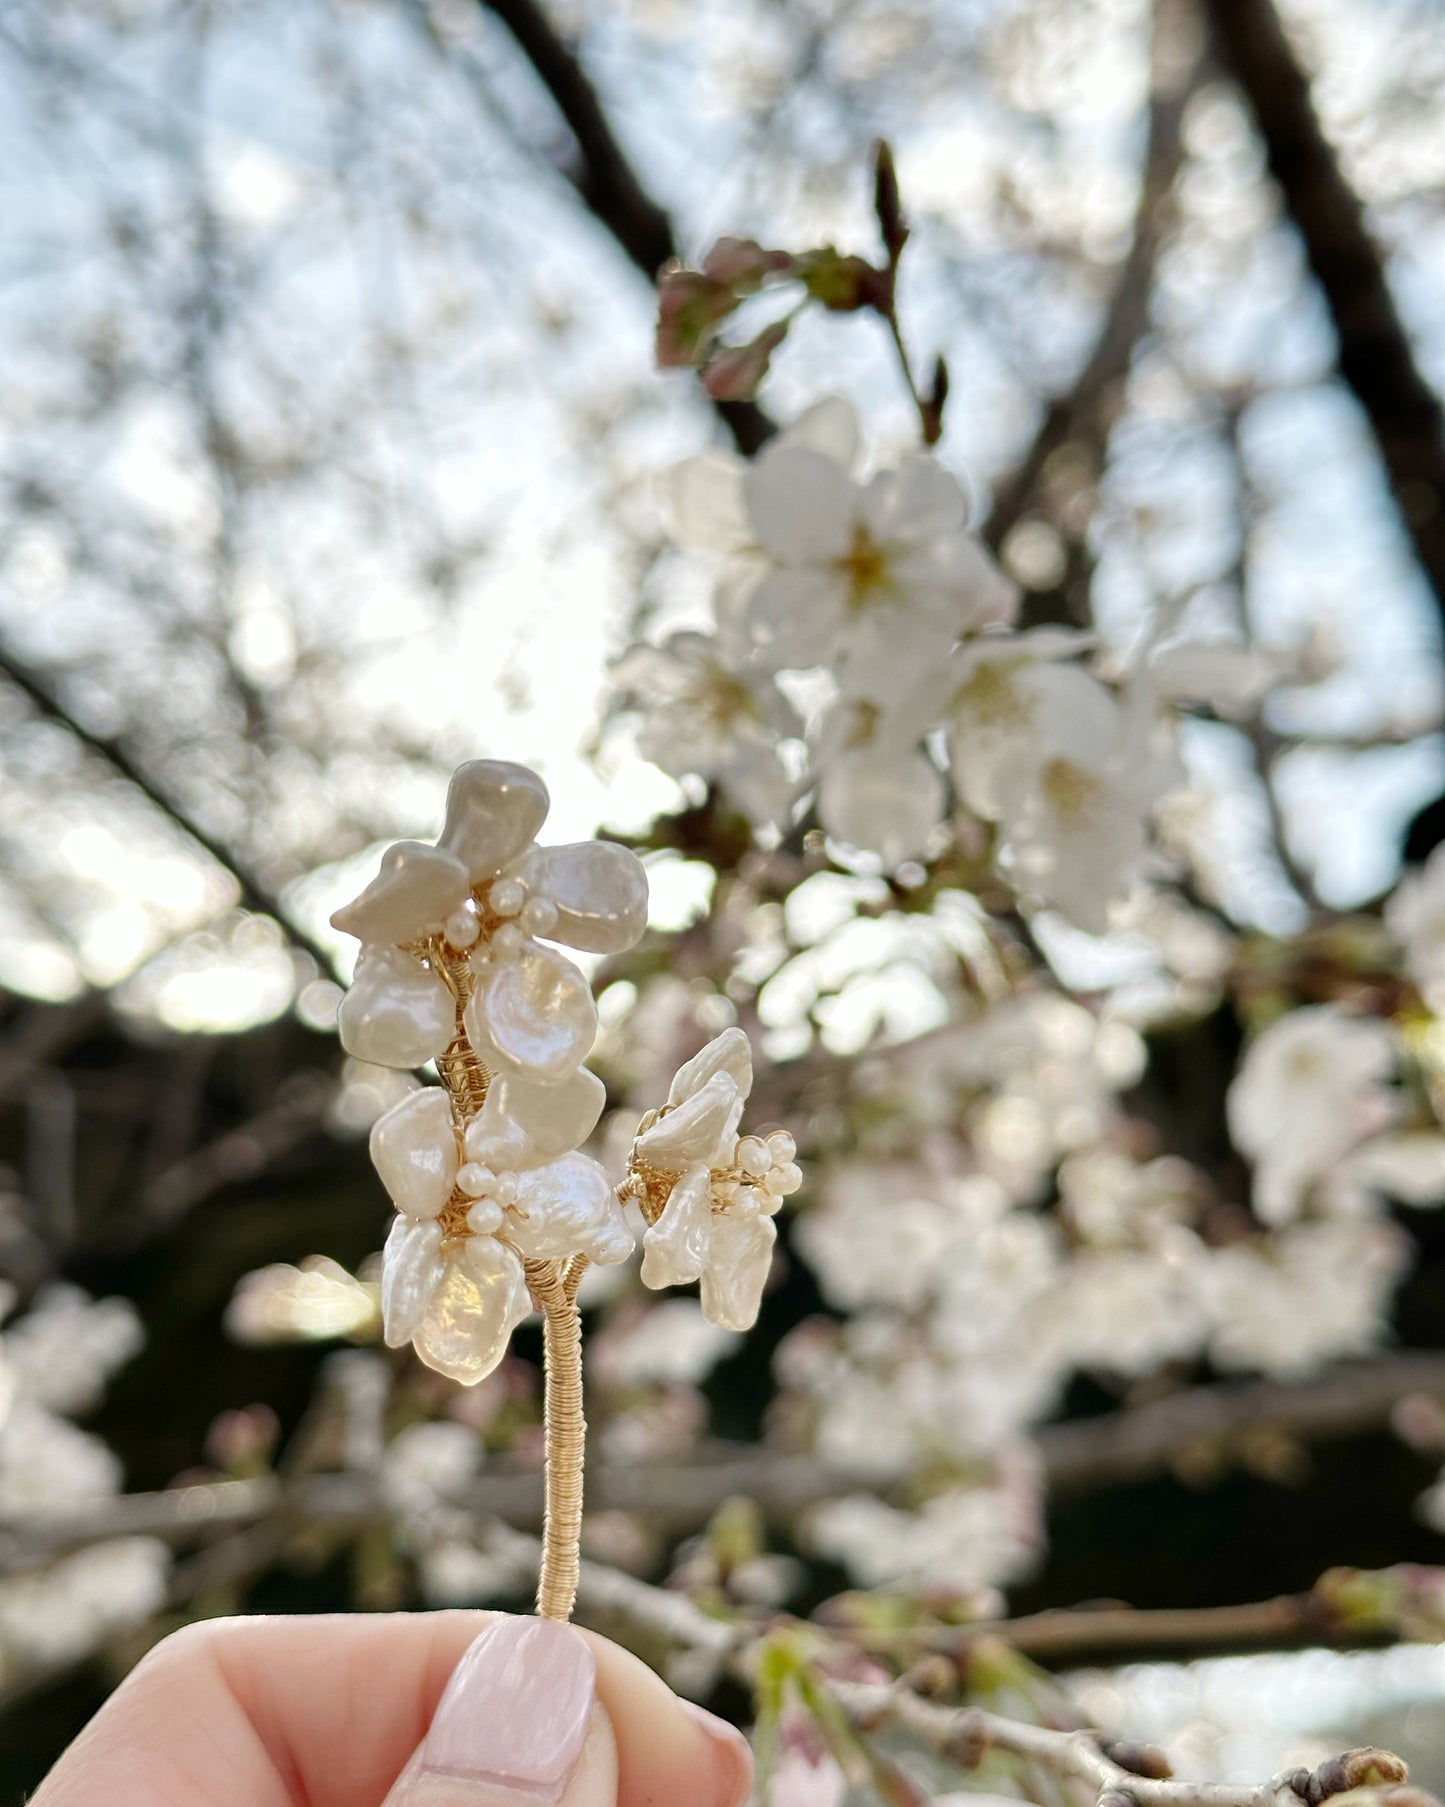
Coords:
733,1752
516,1709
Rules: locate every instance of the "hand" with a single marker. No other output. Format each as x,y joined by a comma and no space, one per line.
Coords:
448,1709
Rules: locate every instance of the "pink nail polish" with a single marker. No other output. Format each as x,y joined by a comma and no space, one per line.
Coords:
733,1752
516,1709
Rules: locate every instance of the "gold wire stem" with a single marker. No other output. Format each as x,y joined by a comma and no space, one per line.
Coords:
553,1286
554,1290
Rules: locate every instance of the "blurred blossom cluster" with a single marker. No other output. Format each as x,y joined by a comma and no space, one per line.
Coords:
55,1361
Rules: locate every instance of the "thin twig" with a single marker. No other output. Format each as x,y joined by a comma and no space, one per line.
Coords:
1087,409
254,892
966,1735
603,176
1376,358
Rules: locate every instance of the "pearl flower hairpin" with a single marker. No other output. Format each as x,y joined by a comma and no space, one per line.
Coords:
498,1212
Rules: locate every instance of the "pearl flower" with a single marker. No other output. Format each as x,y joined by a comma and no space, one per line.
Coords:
851,574
486,894
709,1197
473,1204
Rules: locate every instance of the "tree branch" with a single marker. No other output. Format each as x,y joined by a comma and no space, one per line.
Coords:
966,1735
1088,409
1376,359
255,895
604,179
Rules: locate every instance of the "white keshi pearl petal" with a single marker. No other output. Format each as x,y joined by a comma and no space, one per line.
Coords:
521,1124
494,810
474,1179
411,1271
785,1180
504,1188
485,1217
479,1301
740,1259
599,890
397,1013
567,1207
781,1146
753,1156
414,1149
539,916
417,888
507,897
461,928
675,1248
537,1014
731,1052
690,1131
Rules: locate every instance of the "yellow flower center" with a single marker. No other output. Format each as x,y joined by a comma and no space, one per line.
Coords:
991,696
865,566
1070,790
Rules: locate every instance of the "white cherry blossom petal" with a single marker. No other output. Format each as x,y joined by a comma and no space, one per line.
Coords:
536,1012
731,1052
692,1130
411,1270
469,1319
830,426
888,803
567,1207
397,1012
675,1248
739,1260
800,504
521,1124
794,617
414,1149
705,497
918,501
599,888
417,888
494,809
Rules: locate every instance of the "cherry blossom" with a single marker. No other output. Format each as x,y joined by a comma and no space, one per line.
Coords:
1073,804
486,898
1310,1088
706,711
1415,916
472,1205
877,790
710,1196
849,572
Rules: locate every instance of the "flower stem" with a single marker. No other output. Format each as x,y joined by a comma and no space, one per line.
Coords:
554,1287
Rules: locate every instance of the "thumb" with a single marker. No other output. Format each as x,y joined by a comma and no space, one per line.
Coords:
520,1724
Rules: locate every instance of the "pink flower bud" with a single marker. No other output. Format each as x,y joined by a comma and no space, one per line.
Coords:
734,375
742,263
690,306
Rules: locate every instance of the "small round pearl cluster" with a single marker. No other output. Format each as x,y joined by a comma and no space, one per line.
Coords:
767,1174
517,916
492,1195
